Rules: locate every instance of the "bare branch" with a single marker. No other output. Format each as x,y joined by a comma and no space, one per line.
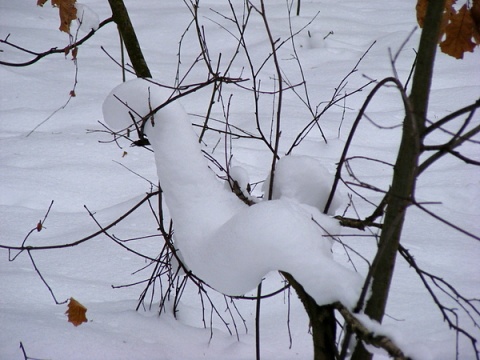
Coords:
467,109
343,157
336,98
89,237
464,303
368,336
449,149
38,56
24,352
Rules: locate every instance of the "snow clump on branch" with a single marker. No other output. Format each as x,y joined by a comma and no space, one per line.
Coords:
229,245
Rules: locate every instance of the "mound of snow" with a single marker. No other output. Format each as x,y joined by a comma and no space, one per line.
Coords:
303,179
227,244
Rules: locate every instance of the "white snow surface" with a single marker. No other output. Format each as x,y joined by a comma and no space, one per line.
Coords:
227,244
60,161
198,203
240,175
305,180
87,19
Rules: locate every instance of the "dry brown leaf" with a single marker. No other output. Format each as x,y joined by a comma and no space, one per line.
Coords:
74,53
421,11
459,32
67,11
76,312
462,28
449,11
475,14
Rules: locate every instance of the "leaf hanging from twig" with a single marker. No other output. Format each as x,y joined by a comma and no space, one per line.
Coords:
461,28
67,11
459,32
475,13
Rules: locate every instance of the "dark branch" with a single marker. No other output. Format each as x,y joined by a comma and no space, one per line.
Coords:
38,56
368,336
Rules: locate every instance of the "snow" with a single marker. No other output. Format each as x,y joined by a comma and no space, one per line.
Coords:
275,235
87,18
304,179
225,243
61,162
193,195
240,175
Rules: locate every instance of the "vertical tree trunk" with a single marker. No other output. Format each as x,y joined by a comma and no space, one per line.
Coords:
405,170
121,18
322,323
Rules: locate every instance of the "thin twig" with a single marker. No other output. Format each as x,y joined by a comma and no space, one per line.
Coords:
54,50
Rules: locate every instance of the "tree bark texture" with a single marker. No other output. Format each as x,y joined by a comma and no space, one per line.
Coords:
322,323
122,19
405,170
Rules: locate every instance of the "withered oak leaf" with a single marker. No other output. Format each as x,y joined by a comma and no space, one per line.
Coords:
459,33
67,11
76,312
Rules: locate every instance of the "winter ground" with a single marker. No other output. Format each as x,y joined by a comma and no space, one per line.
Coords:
60,161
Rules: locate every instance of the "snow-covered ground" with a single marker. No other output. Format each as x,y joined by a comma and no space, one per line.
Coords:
60,161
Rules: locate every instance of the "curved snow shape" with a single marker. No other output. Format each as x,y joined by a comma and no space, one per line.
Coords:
240,175
303,179
87,18
223,241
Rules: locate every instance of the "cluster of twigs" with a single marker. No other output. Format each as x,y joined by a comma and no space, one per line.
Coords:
168,277
72,48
